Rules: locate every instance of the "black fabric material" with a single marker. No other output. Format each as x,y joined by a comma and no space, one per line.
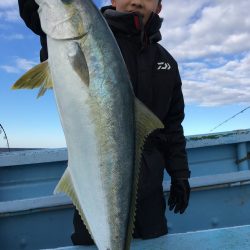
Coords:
156,81
28,12
159,89
81,235
150,220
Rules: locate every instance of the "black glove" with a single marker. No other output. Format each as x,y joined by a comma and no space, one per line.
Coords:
179,195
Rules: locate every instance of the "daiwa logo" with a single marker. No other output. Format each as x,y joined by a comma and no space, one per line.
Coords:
163,66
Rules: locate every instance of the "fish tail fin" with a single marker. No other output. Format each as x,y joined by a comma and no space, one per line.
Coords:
146,123
65,185
38,76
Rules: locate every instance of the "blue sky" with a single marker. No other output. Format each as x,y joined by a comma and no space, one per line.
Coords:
209,39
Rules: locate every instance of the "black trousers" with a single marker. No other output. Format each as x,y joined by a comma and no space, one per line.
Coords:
150,220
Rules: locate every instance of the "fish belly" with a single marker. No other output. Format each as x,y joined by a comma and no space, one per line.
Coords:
100,154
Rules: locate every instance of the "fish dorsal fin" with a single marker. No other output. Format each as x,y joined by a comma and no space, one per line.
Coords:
65,185
38,76
146,123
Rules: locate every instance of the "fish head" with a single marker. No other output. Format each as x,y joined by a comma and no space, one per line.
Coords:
61,19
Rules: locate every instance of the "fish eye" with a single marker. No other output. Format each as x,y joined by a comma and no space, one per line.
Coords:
66,1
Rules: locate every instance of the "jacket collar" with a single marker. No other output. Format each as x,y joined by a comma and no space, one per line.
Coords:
131,25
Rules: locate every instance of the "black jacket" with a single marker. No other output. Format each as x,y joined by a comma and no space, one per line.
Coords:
156,81
28,12
155,78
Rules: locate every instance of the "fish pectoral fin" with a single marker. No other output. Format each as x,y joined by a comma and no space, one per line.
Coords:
78,62
146,123
38,76
65,185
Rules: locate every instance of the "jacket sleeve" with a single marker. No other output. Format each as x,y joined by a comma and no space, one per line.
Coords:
28,12
175,151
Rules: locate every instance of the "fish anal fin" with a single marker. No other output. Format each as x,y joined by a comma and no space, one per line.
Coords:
65,185
146,123
38,76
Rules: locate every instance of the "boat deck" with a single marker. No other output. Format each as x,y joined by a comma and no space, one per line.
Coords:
31,217
234,238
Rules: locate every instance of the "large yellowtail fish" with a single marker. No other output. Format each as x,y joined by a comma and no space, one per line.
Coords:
105,126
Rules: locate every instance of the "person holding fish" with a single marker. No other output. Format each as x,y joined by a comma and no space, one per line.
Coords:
156,82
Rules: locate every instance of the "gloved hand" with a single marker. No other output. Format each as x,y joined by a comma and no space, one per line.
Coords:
179,195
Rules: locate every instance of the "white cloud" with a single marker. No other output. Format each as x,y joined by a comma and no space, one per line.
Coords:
8,3
20,64
9,69
24,64
202,28
213,86
12,15
9,11
210,40
12,36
